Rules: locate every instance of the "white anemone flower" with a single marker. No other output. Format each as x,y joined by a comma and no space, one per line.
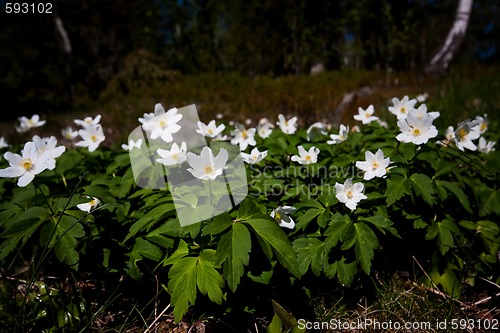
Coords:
449,137
255,156
401,108
350,194
485,147
48,145
88,206
265,128
28,123
421,111
422,97
92,136
315,130
26,166
288,126
465,133
206,166
146,116
243,137
338,138
416,130
132,144
306,157
281,215
375,165
482,123
211,130
3,143
163,124
176,154
69,134
366,116
88,122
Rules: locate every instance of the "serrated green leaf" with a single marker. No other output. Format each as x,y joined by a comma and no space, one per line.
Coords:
490,202
339,227
272,234
208,279
488,229
181,252
457,192
247,209
310,252
304,220
187,274
233,251
182,285
346,272
147,249
366,242
444,235
397,186
422,185
381,221
219,224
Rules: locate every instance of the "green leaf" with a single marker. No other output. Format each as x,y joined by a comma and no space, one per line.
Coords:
182,285
490,202
488,229
422,185
219,224
147,249
339,227
188,273
272,234
310,252
233,251
181,252
247,210
366,242
381,221
457,192
397,186
275,325
346,272
208,279
443,230
100,193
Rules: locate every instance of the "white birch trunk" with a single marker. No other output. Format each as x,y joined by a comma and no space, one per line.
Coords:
448,50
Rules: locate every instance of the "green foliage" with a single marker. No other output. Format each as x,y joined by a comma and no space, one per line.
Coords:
440,203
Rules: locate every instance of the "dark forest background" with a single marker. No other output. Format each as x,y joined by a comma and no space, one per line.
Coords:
160,39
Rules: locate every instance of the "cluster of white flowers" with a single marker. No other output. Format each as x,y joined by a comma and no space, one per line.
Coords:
468,131
91,133
36,156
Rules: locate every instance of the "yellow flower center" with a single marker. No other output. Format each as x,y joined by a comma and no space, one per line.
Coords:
462,134
367,115
308,158
244,134
277,216
208,169
349,194
375,165
27,164
30,122
175,156
402,110
92,202
286,122
483,127
93,138
163,123
209,131
416,132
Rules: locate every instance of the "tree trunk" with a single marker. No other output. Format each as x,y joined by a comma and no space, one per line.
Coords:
443,57
67,49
